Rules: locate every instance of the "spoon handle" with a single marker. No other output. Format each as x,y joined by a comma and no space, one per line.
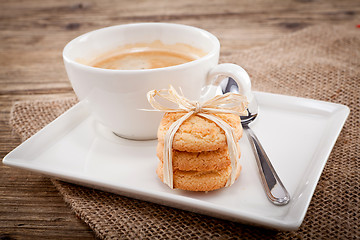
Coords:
273,186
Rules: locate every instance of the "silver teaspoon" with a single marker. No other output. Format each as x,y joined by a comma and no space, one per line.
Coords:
274,189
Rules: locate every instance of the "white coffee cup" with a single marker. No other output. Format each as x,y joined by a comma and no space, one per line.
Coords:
116,97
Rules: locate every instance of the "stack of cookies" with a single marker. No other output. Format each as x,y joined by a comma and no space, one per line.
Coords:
200,159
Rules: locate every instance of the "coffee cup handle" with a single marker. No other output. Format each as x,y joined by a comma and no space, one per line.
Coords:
234,71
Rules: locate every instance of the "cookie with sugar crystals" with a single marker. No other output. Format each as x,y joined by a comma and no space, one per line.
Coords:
197,133
199,180
198,161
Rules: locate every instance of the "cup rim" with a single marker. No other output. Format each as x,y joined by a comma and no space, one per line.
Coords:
210,54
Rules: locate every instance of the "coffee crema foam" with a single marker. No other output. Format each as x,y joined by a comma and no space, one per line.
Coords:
147,56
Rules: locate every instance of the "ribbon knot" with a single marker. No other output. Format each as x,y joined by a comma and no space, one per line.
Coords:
197,108
228,103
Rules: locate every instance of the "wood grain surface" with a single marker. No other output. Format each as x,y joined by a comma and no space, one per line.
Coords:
32,37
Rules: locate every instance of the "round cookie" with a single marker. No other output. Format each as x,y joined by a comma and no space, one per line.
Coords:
199,134
198,161
199,181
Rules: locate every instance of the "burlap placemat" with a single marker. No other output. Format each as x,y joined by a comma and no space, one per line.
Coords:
318,62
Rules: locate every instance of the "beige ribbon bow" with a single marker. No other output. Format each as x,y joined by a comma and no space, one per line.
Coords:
227,103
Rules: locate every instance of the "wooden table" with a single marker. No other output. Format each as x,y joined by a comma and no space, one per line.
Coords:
33,34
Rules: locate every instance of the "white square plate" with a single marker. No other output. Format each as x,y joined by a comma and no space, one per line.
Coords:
298,135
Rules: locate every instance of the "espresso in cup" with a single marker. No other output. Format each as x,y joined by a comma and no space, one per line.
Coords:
147,56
